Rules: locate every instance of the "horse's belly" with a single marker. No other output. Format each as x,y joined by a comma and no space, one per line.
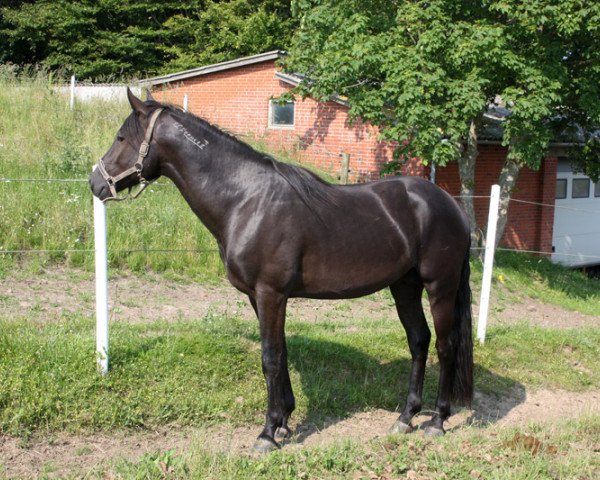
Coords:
346,272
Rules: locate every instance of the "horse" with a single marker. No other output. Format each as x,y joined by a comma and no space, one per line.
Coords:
283,232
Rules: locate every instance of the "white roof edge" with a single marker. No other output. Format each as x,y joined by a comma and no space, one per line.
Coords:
295,80
289,78
217,67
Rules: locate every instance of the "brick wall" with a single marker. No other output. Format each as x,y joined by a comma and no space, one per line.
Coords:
238,101
529,227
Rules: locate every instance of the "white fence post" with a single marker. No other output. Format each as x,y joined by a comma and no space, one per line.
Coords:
488,263
185,103
72,103
101,286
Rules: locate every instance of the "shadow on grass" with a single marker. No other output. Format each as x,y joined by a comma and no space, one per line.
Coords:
339,380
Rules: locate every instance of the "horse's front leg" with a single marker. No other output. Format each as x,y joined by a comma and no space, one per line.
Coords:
270,308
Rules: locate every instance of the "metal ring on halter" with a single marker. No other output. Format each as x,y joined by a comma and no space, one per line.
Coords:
136,169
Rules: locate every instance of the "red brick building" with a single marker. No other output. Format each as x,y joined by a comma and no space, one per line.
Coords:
236,96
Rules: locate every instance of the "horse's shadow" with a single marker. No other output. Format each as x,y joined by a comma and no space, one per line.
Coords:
339,381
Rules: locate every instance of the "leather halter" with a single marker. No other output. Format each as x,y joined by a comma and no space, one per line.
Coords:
136,169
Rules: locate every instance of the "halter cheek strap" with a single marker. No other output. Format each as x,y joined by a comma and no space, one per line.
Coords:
137,167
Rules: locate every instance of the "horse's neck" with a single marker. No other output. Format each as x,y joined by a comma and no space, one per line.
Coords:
212,186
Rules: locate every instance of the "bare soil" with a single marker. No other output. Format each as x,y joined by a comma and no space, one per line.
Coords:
59,293
66,454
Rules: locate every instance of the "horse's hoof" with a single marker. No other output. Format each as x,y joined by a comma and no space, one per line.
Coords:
434,432
400,427
282,433
264,445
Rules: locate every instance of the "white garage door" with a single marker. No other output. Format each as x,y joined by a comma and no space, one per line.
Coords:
576,237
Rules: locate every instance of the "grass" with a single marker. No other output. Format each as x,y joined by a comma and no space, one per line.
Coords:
539,278
208,371
569,451
41,138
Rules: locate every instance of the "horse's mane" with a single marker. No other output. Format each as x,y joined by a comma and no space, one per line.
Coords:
312,190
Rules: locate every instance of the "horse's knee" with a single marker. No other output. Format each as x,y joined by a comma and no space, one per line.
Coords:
444,349
419,344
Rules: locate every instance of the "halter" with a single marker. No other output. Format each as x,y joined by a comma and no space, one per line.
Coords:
136,169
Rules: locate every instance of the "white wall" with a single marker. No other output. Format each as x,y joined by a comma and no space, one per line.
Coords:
86,93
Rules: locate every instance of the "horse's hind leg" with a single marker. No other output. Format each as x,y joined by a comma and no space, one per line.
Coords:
407,294
442,303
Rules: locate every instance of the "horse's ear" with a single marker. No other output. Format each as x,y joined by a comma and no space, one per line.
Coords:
137,105
149,95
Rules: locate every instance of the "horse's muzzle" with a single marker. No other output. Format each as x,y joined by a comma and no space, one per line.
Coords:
99,186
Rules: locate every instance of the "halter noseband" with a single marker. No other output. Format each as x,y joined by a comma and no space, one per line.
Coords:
136,169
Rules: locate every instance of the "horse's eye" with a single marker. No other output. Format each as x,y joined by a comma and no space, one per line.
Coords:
120,138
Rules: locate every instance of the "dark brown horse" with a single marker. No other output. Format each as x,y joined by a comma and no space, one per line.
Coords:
283,232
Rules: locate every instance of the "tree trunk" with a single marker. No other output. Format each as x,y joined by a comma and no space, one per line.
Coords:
507,181
466,170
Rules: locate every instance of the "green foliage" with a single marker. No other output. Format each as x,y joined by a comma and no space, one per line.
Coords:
93,39
422,71
226,30
113,39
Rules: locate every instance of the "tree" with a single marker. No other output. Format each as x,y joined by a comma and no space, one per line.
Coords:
227,30
426,73
104,39
93,39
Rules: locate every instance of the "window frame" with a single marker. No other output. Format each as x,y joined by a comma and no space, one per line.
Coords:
272,104
565,182
573,188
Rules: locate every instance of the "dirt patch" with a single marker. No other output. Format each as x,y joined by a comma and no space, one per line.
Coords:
76,455
544,315
57,293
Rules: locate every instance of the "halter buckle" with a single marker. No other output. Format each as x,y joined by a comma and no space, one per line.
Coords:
144,147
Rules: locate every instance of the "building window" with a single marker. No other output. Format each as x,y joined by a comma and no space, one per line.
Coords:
597,189
581,188
281,115
561,188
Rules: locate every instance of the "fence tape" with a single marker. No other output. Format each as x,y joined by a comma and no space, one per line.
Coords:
138,250
80,180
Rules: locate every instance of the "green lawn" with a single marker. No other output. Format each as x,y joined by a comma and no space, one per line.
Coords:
191,373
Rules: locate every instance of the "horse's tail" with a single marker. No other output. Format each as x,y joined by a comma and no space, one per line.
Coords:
462,339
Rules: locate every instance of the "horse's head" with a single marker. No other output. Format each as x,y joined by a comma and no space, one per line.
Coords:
132,159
